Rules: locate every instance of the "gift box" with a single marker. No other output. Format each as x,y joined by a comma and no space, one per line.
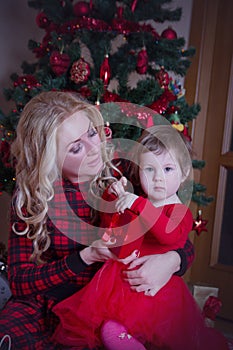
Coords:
207,299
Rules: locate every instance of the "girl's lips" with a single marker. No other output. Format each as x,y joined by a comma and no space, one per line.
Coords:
159,189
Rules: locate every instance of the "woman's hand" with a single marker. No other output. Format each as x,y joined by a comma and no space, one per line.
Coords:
98,251
153,272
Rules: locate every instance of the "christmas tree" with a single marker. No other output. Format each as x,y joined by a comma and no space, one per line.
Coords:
107,51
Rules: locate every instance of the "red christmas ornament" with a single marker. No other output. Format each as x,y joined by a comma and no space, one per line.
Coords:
105,71
85,92
186,133
42,20
81,8
160,106
199,224
80,71
108,131
169,33
59,62
212,307
112,97
142,61
163,78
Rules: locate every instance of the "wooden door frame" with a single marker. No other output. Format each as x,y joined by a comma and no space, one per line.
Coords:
207,83
226,162
198,78
197,83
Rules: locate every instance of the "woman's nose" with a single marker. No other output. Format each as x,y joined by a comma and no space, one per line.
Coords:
91,147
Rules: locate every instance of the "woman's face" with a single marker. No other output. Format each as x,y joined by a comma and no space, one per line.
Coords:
79,148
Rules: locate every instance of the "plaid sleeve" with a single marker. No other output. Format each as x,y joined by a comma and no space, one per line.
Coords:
63,266
187,256
28,278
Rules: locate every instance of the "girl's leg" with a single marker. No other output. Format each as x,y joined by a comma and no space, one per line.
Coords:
116,337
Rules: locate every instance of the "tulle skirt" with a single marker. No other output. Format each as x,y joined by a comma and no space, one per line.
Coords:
169,320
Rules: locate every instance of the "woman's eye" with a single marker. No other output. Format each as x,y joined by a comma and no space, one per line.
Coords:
76,148
92,132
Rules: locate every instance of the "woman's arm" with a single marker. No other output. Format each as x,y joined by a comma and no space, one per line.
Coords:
27,278
154,271
187,255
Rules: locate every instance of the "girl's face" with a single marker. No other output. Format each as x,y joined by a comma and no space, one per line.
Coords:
160,177
79,148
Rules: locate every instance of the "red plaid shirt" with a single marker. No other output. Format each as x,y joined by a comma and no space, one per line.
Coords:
64,272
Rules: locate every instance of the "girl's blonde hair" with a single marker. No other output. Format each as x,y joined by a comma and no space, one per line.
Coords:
35,151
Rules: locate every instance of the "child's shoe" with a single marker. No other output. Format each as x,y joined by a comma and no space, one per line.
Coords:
115,337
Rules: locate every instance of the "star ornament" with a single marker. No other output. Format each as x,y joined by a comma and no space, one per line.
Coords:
199,224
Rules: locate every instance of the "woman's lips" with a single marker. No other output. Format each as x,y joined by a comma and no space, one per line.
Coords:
95,161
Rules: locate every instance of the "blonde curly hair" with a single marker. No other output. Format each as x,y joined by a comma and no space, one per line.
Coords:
35,151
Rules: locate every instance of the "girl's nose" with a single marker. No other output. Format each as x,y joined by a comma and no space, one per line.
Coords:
158,175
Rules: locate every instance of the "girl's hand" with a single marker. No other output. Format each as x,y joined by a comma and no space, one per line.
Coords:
125,201
118,187
153,272
98,251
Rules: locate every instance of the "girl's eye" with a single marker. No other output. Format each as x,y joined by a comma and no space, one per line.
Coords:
76,148
92,132
168,169
148,169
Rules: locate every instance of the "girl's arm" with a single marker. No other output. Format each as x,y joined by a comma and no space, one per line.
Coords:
170,224
154,271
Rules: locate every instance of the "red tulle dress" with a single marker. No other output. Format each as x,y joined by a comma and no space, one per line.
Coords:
169,320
